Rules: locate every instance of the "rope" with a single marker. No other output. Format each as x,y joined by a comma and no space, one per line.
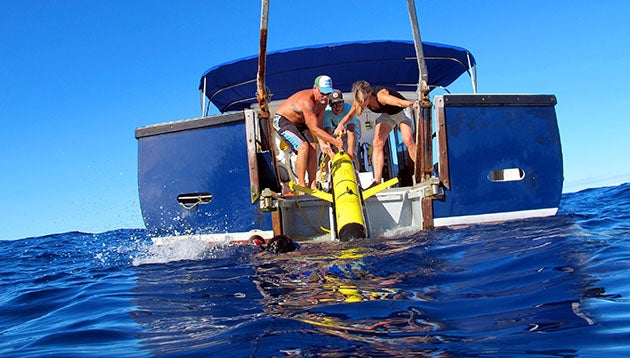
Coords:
189,206
297,202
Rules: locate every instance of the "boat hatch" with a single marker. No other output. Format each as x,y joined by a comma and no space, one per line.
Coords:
190,200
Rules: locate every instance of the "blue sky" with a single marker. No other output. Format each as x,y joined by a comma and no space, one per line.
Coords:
78,76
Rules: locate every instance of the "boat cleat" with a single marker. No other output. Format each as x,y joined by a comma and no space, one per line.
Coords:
429,188
268,200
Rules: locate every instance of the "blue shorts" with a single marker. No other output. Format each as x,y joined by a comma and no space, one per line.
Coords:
294,134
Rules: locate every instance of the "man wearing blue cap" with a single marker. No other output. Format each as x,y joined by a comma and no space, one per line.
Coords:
299,116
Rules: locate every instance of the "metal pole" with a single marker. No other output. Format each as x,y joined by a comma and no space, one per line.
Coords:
424,131
423,156
473,73
203,98
261,94
423,81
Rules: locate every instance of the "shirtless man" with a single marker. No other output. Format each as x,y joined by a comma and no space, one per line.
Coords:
299,116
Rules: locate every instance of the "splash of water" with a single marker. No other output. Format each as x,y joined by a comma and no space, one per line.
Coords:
179,248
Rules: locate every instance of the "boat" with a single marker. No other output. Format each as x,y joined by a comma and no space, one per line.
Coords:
227,177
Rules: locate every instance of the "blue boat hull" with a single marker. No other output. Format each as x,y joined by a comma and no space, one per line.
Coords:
504,156
499,158
200,156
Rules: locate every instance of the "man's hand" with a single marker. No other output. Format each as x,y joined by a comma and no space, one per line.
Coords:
338,142
340,129
325,147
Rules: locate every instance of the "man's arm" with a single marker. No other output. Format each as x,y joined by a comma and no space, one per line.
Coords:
325,146
347,118
315,125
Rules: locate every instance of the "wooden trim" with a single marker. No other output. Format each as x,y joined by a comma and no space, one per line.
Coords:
276,222
252,160
440,119
427,213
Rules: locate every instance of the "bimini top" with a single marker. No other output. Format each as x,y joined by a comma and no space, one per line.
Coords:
232,86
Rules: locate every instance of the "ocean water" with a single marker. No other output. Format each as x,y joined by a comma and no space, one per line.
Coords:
551,287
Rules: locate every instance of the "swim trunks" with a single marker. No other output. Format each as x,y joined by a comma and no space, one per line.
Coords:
294,134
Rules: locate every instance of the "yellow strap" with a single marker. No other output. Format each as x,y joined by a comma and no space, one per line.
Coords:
316,193
378,188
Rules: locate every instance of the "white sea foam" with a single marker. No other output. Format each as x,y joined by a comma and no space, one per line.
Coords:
175,249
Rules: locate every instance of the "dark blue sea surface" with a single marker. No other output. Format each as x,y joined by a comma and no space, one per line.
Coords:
551,287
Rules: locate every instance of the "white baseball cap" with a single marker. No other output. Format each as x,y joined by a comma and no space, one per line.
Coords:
324,84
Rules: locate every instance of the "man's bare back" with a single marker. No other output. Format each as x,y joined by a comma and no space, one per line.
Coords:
307,106
293,108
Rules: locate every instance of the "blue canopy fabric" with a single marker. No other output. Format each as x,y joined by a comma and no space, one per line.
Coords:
232,86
